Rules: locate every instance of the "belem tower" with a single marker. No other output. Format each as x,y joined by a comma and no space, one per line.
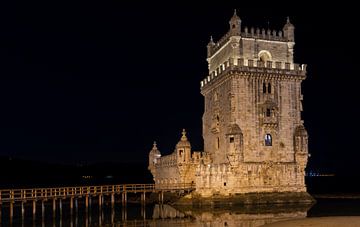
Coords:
254,138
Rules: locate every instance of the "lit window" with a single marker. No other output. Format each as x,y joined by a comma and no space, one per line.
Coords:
268,140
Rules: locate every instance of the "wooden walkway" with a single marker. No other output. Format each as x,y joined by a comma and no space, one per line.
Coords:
12,196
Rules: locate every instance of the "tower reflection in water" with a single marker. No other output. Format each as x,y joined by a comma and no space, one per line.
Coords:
161,215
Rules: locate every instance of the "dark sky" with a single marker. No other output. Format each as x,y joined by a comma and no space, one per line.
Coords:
86,82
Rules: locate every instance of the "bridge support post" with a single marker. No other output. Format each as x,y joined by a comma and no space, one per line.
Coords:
34,209
124,198
42,209
11,209
60,207
54,208
100,201
71,205
76,206
0,213
86,203
112,199
143,198
22,210
90,202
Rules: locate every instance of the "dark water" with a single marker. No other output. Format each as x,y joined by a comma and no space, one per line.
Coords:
165,215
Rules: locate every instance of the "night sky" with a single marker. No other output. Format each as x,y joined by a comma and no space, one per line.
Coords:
93,82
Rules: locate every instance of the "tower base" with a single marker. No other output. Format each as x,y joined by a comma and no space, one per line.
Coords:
194,199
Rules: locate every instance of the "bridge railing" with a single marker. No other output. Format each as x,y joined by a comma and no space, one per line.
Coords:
12,195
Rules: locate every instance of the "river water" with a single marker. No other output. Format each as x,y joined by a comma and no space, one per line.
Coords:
166,215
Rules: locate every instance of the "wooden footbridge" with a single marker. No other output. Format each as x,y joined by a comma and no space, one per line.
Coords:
87,193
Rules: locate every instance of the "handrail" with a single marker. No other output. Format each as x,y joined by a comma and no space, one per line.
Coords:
12,195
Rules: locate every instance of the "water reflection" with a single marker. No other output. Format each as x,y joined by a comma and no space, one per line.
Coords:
157,215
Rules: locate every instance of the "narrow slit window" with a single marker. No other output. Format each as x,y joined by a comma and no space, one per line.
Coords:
264,88
269,88
268,140
218,143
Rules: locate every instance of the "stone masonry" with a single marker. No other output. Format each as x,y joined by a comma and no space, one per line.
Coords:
254,138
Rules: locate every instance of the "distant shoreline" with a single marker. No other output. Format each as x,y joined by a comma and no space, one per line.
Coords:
337,196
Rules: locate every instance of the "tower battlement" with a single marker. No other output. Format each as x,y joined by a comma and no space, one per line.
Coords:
248,67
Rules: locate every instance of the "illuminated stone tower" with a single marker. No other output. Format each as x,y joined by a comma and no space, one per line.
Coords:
252,125
254,138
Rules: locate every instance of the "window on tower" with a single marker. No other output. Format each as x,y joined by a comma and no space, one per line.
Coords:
268,140
231,139
264,87
268,112
269,88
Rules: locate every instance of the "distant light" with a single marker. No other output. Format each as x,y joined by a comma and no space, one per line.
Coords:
108,177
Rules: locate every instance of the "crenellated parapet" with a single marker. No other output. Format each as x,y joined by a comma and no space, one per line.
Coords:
249,33
250,66
167,160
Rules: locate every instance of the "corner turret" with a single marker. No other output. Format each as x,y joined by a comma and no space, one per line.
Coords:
183,149
235,24
210,45
289,31
154,157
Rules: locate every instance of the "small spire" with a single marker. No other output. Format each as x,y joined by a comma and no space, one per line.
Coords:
211,42
154,146
183,138
288,19
235,13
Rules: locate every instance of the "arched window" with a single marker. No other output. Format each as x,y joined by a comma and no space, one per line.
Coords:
268,140
269,88
264,56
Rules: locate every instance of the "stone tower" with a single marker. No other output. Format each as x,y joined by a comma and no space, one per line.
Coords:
254,138
252,125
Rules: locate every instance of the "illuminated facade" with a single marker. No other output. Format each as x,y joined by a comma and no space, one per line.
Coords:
254,137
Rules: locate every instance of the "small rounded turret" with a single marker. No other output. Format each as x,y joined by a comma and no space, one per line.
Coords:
154,157
183,148
289,31
235,24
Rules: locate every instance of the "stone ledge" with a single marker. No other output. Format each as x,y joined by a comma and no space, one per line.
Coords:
247,199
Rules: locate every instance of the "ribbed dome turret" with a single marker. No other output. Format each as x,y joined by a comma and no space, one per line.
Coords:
183,141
